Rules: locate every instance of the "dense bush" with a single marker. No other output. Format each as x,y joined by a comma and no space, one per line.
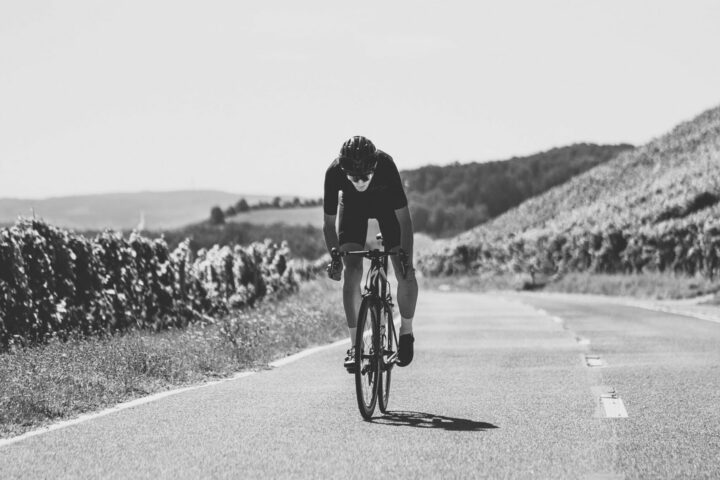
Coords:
54,282
685,247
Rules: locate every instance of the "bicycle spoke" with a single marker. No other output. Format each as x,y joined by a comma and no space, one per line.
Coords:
366,376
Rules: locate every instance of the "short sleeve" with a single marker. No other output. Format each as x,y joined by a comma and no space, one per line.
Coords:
332,188
398,197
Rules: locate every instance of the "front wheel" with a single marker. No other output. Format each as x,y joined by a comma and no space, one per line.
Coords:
367,357
388,349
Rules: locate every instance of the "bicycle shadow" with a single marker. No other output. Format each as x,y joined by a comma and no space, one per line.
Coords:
429,420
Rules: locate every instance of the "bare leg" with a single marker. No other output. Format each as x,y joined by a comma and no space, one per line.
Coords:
351,288
407,293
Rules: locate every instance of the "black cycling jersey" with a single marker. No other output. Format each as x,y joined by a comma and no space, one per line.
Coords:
384,195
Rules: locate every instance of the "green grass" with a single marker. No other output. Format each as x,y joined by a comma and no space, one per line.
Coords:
63,379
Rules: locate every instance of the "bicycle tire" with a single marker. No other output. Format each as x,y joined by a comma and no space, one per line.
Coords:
388,346
367,344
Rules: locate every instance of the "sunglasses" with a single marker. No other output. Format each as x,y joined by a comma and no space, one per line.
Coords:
363,177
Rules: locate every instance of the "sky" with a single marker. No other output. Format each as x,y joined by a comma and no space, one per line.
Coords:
257,97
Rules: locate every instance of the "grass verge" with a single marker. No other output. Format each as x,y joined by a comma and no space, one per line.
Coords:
658,286
64,379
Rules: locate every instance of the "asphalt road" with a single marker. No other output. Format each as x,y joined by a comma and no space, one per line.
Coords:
498,389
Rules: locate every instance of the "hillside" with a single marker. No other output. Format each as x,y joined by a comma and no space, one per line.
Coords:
654,207
450,199
122,210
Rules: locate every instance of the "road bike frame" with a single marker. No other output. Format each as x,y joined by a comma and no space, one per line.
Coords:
374,359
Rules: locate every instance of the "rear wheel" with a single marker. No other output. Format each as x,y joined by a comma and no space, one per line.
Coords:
367,365
388,347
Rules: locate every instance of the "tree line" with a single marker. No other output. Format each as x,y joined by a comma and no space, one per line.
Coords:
447,200
218,215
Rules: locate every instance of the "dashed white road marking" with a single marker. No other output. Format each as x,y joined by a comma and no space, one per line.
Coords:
594,361
609,405
158,396
613,406
545,313
605,476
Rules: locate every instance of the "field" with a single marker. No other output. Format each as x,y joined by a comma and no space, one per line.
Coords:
312,216
289,216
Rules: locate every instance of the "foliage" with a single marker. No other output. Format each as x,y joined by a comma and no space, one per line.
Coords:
217,217
242,206
447,200
652,209
304,241
55,283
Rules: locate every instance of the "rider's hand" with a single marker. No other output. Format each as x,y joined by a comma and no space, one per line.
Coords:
335,267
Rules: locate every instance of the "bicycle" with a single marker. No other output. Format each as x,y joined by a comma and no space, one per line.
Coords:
376,339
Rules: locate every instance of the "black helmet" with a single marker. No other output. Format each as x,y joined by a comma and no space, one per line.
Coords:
357,156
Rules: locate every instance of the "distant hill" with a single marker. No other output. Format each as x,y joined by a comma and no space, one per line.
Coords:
447,200
655,207
123,210
668,178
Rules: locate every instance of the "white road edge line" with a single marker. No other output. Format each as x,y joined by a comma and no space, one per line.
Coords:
158,396
674,311
305,353
644,304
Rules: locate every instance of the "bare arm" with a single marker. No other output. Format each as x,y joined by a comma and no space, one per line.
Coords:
406,231
330,233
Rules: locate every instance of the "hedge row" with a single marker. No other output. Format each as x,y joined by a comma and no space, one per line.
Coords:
55,282
685,247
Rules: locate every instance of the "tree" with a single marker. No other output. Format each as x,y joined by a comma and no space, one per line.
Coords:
420,216
242,206
217,217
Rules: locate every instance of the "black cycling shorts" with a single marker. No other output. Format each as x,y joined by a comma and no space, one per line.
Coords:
353,224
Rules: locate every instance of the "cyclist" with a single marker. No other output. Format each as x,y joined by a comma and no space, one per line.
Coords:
362,183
